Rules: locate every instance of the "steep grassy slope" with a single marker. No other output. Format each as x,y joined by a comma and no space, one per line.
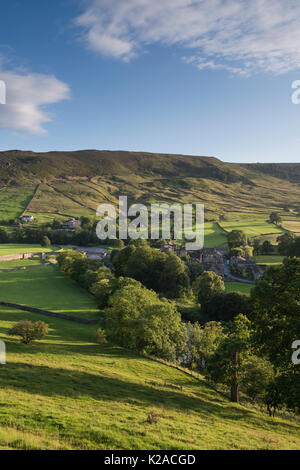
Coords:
66,392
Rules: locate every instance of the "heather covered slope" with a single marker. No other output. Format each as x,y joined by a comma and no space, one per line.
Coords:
72,184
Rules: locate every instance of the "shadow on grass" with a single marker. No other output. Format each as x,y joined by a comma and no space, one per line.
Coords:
55,382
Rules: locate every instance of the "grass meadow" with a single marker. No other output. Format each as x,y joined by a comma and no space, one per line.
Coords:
12,248
269,260
48,289
252,225
14,200
241,287
20,263
66,392
213,235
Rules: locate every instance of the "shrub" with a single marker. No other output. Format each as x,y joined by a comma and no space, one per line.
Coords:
29,331
152,418
101,336
46,242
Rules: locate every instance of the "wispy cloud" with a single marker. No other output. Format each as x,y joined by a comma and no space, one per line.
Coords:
27,95
239,35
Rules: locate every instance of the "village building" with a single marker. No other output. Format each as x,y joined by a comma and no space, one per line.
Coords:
27,218
245,268
71,225
213,260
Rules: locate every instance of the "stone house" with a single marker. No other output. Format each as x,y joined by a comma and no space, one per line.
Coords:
245,268
71,225
212,260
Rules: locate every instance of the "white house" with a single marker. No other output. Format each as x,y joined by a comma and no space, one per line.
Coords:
27,218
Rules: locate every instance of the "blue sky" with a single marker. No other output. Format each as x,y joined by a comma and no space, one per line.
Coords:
174,76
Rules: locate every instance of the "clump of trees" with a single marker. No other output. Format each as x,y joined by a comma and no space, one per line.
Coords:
275,315
165,273
28,331
138,319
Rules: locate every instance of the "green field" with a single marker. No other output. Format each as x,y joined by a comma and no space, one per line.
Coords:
269,260
48,289
66,392
19,263
213,235
292,225
252,225
241,287
11,249
14,200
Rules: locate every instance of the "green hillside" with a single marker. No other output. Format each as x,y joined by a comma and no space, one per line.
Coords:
46,288
65,184
66,392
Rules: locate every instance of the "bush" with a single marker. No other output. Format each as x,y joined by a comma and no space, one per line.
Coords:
101,336
46,242
29,331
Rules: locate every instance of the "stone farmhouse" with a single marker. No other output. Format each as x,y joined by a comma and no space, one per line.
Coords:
245,268
71,225
213,260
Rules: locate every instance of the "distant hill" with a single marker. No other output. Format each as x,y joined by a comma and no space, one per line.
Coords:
19,166
286,171
74,183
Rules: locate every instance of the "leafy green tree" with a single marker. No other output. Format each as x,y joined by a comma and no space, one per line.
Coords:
56,224
256,246
101,336
225,306
137,319
163,272
120,259
207,285
294,248
267,247
284,242
258,374
202,343
29,331
45,242
284,391
275,218
236,238
194,270
227,364
4,237
174,278
275,311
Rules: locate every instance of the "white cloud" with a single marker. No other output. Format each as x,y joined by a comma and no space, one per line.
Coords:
243,36
27,94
